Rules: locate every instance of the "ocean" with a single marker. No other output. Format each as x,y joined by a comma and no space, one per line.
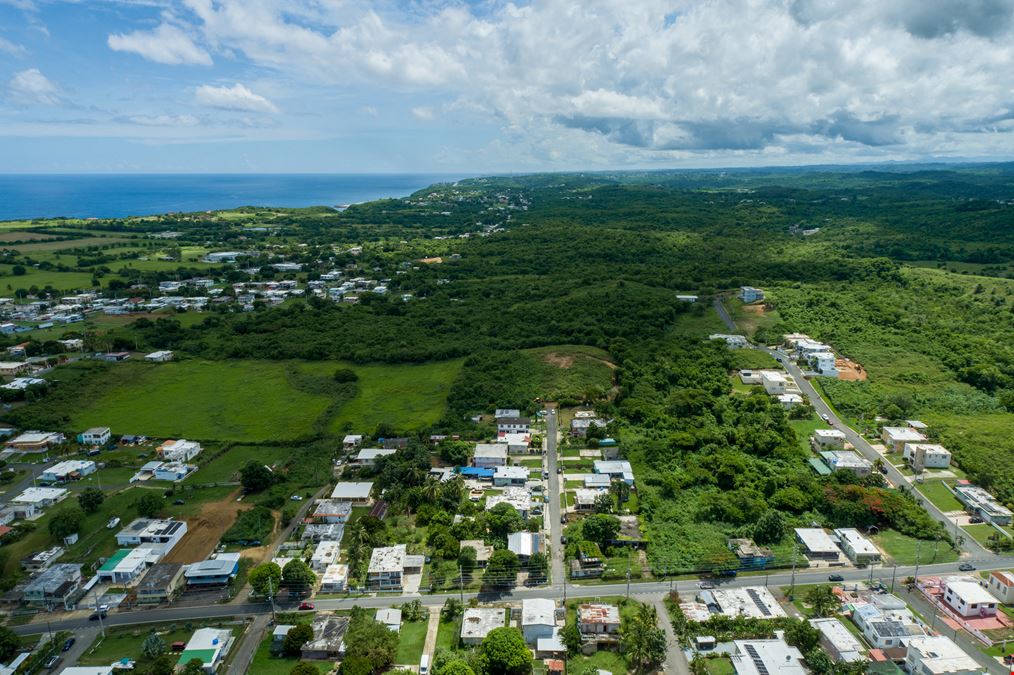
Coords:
117,196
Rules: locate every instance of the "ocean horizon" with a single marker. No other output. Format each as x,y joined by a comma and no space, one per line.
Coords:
29,196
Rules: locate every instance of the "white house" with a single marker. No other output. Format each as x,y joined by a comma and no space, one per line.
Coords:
538,619
516,443
387,565
510,475
352,441
35,441
358,493
775,382
1001,585
816,543
764,657
128,564
838,641
70,469
967,598
163,533
750,294
858,548
180,450
159,356
367,457
335,578
95,436
789,401
981,503
325,555
895,438
616,469
523,544
477,622
847,460
687,298
731,341
513,425
938,655
927,456
40,497
828,438
489,455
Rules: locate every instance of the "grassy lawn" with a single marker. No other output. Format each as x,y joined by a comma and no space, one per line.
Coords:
981,532
225,467
448,633
406,396
62,281
411,641
570,373
719,666
751,359
902,549
612,662
264,663
805,428
126,642
936,491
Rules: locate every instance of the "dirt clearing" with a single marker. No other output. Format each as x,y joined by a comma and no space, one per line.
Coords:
559,360
205,531
849,370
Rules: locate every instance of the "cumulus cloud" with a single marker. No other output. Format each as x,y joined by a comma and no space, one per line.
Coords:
12,48
422,113
31,86
165,44
236,97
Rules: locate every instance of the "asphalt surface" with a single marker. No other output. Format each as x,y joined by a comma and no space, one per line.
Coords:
556,563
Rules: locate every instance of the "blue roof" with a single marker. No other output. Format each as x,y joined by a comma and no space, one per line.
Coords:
478,472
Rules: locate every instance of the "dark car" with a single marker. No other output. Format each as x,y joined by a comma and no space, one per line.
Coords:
835,577
94,616
563,520
68,643
563,539
179,502
966,567
975,520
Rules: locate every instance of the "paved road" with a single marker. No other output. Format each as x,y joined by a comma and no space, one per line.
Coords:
648,590
14,489
858,442
557,569
675,659
244,653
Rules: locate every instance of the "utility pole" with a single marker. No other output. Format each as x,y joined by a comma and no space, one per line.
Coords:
918,547
894,575
461,583
628,576
271,597
98,611
795,552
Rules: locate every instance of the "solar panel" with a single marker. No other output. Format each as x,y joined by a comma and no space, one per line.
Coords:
752,592
757,661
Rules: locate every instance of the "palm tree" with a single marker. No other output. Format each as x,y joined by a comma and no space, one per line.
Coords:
823,600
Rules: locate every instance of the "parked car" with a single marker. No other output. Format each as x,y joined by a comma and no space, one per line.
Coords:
52,661
306,605
706,585
296,498
563,520
559,469
826,417
835,577
975,520
545,474
966,567
1009,659
94,616
563,539
68,643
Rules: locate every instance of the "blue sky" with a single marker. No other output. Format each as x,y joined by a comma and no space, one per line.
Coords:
335,86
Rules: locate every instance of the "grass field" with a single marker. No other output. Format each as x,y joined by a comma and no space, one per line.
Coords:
719,666
611,662
408,397
981,532
62,281
805,428
570,374
411,641
936,491
753,359
224,400
60,245
225,467
126,643
902,549
448,633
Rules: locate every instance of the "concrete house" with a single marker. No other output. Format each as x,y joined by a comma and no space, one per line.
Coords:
858,548
152,531
162,356
1001,585
67,470
981,503
775,382
761,657
218,570
828,439
328,637
888,624
57,586
332,511
352,441
489,455
847,460
95,436
967,598
387,565
513,425
598,619
817,544
180,450
519,498
126,566
731,341
579,427
510,475
927,456
895,438
335,578
161,584
367,457
477,623
749,554
524,544
356,493
516,443
750,294
35,441
838,641
616,469
538,619
325,555
938,655
482,550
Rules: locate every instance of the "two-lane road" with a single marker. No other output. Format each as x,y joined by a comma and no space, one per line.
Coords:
557,569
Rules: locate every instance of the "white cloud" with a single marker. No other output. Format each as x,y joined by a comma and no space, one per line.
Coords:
165,44
236,97
31,86
163,120
422,113
12,48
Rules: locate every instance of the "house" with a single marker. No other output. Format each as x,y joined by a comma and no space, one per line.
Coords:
223,257
367,457
750,555
95,436
83,670
398,443
731,341
23,383
886,623
128,564
328,637
387,565
524,544
35,441
489,455
967,598
40,560
838,641
482,551
519,498
1001,585
687,298
516,443
764,657
510,475
113,357
513,425
895,438
755,602
828,438
71,469
356,493
40,497
59,585
597,481
477,623
616,469
161,356
331,511
11,368
157,532
474,473
750,294
538,619
789,401
335,578
315,532
598,619
325,555
351,442
217,570
209,646
161,584
170,471
579,427
584,498
981,503
503,413
817,544
775,382
938,655
390,618
825,363
927,456
858,548
847,460
180,450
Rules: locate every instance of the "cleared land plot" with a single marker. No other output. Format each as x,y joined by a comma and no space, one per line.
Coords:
411,640
61,245
904,550
936,491
570,373
20,235
225,467
407,397
61,281
127,643
225,400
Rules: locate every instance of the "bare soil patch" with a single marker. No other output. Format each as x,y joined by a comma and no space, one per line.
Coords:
849,370
205,531
559,360
755,309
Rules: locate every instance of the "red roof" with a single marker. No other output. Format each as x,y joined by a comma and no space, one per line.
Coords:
4,530
554,665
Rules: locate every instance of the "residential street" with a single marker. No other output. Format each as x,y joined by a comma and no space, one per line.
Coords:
557,570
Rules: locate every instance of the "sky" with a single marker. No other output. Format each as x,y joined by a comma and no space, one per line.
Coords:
489,86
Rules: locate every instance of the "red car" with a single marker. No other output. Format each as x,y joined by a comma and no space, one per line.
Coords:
306,605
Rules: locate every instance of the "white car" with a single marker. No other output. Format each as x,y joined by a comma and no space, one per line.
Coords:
826,417
296,498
